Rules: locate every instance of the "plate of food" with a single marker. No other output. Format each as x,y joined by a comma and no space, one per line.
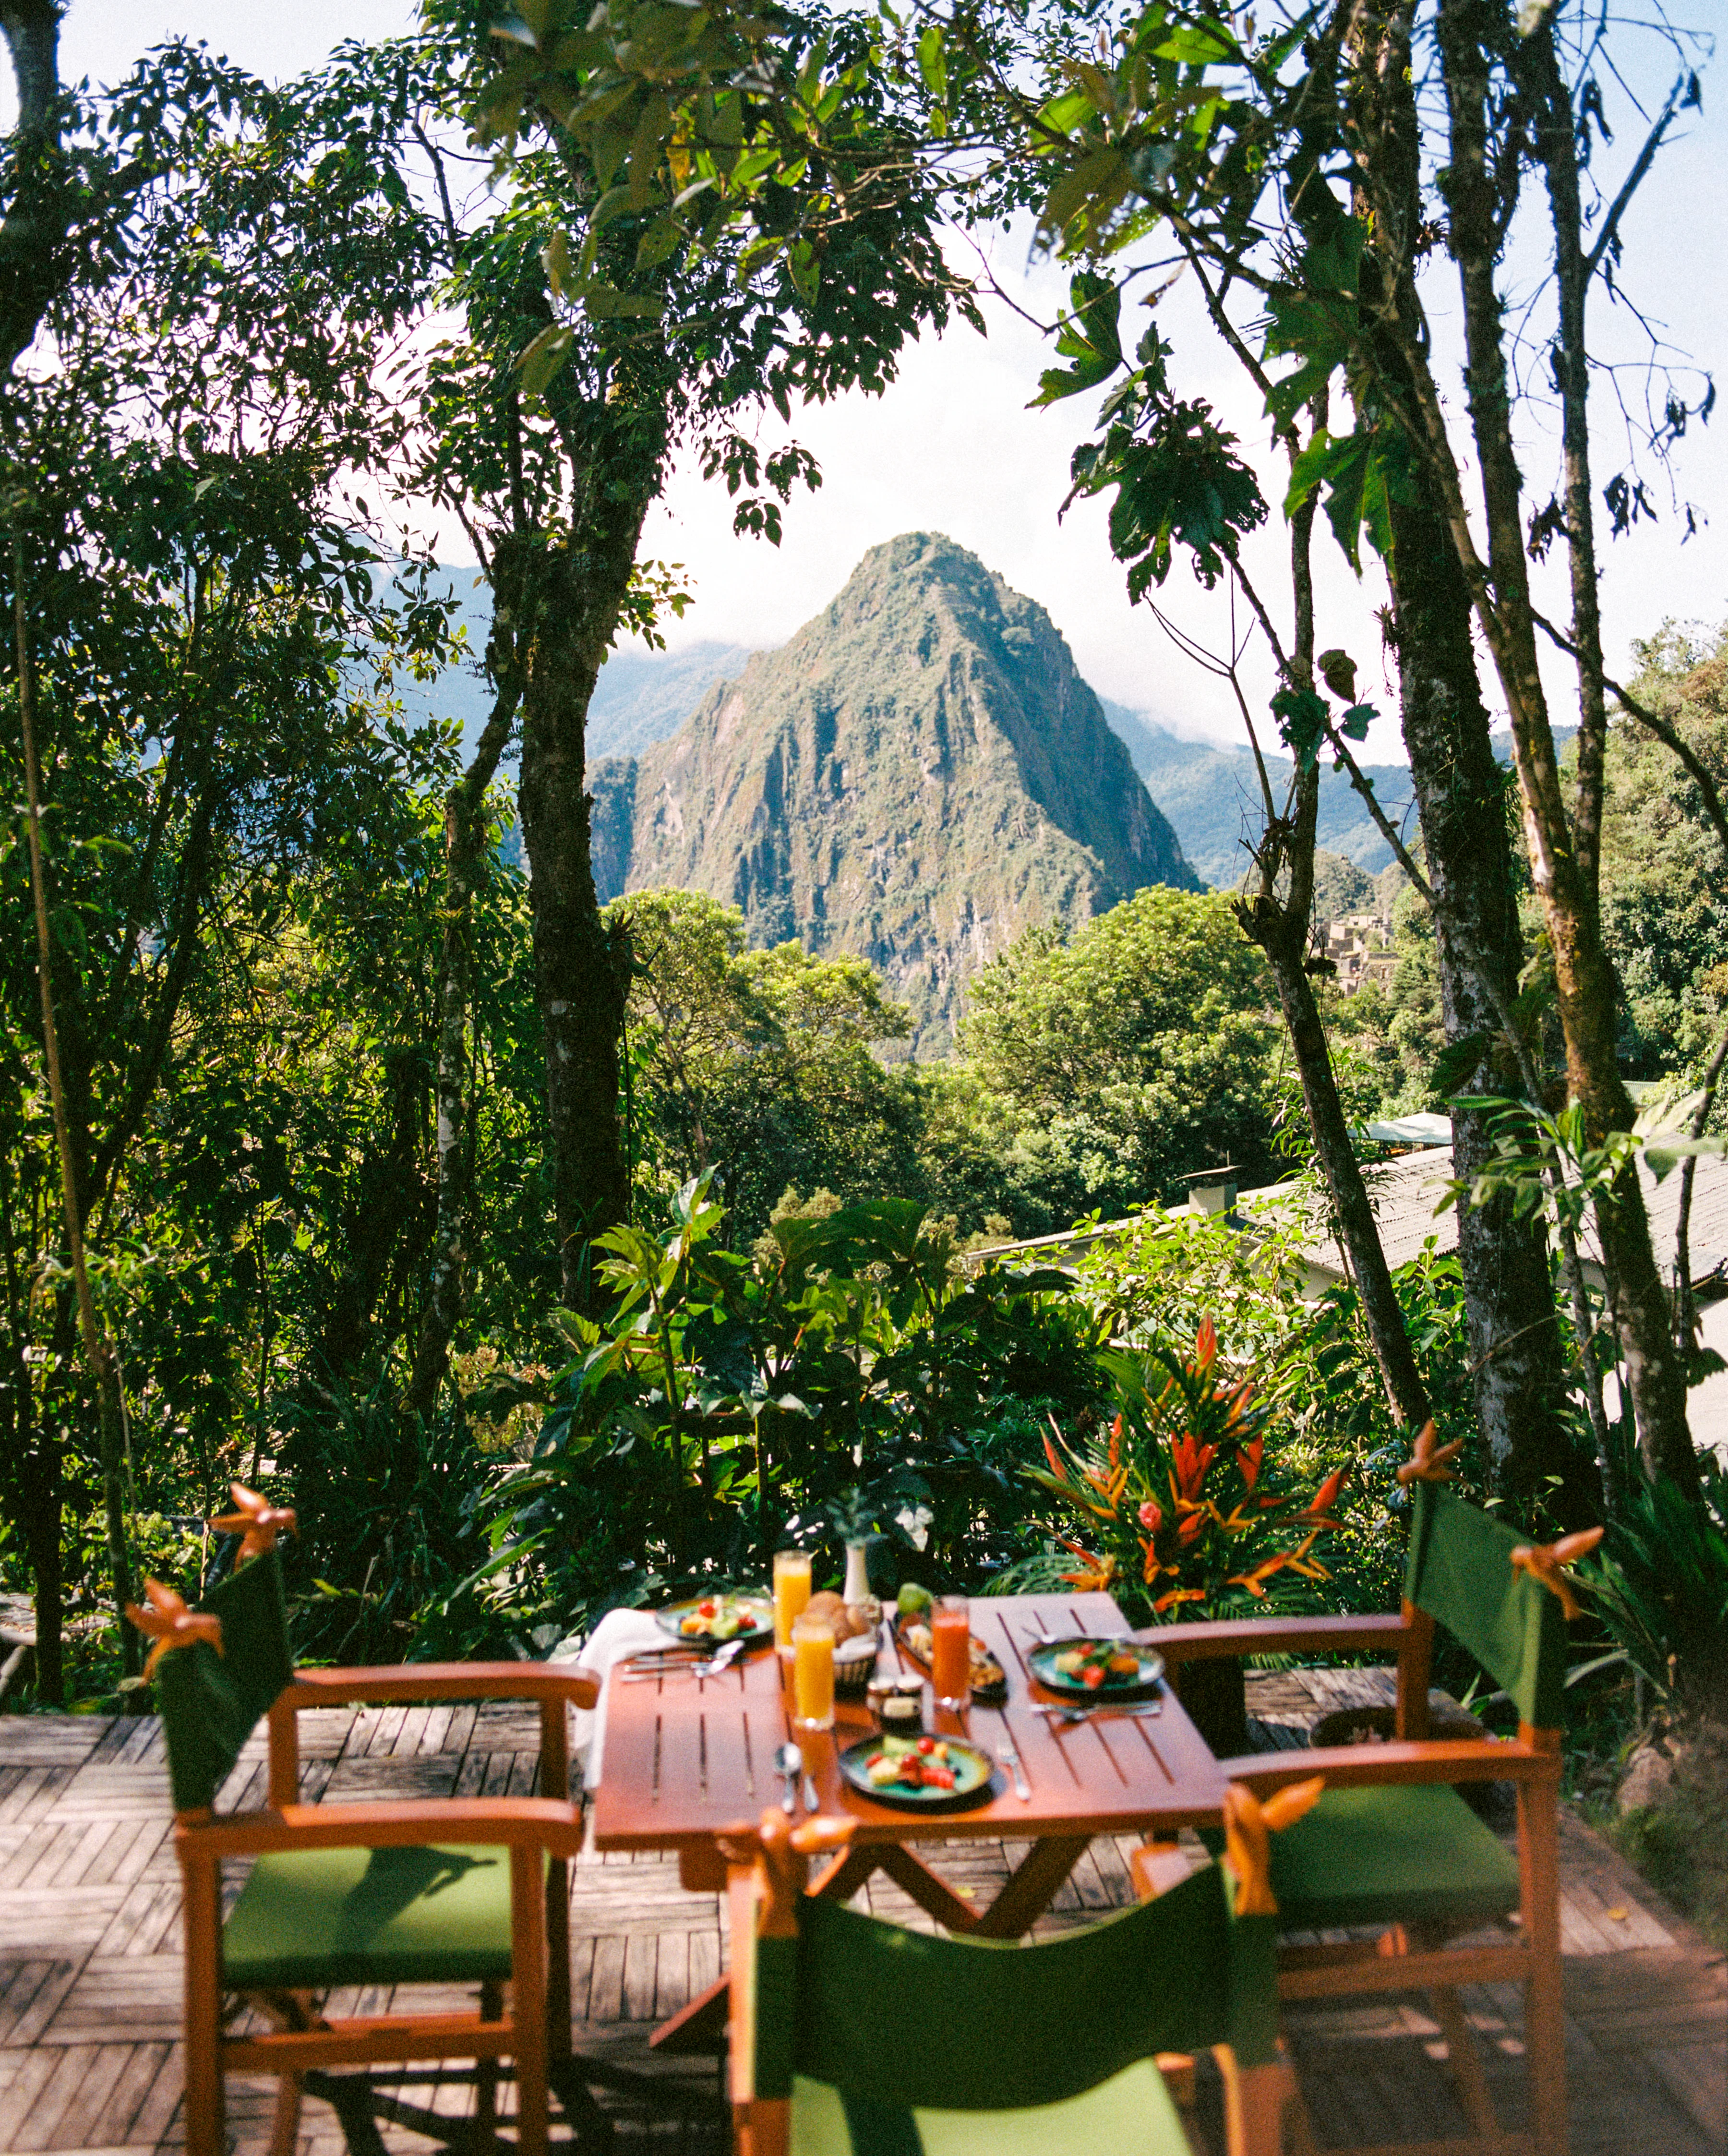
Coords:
919,1774
712,1619
1096,1669
911,1631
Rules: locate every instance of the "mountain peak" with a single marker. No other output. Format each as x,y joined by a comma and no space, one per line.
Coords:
917,776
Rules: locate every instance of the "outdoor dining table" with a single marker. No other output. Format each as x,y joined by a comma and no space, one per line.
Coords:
687,1756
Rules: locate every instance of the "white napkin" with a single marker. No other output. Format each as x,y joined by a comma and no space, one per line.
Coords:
619,1632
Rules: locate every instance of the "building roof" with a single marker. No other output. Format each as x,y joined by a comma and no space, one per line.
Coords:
1407,1193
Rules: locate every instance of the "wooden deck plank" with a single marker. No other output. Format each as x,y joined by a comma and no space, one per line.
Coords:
90,1991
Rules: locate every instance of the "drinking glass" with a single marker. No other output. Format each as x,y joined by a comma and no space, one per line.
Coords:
791,1591
812,1673
950,1652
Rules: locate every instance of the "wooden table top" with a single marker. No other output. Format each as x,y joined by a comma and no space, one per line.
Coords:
685,1759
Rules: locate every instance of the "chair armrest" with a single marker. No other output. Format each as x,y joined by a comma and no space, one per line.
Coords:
509,1822
424,1681
1233,1637
1361,1765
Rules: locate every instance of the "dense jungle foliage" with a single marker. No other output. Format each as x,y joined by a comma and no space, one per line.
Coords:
545,1257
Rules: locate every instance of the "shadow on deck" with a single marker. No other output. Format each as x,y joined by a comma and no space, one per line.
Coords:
90,1960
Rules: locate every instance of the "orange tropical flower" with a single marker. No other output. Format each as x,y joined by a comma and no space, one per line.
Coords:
1430,1462
1248,1461
1324,1497
1255,1581
171,1624
255,1519
1178,1594
1191,1459
1206,1346
1546,1561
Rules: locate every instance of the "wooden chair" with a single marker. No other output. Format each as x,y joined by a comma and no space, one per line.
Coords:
851,2037
1393,1851
450,1891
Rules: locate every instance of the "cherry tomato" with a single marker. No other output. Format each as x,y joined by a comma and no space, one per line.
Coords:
1092,1677
708,1608
927,1744
940,1777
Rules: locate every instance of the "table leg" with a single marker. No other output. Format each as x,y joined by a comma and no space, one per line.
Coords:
933,1896
700,2026
841,1880
1031,1888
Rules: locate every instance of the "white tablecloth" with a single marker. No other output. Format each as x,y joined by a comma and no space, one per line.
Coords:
620,1632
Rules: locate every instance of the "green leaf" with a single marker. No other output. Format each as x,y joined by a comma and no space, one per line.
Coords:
544,356
932,61
1301,718
1090,335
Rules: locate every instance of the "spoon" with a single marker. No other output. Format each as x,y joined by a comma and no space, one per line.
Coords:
789,1760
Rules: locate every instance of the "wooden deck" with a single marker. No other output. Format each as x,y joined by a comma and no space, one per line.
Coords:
90,1964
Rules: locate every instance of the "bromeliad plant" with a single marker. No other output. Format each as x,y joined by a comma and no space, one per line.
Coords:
1183,1512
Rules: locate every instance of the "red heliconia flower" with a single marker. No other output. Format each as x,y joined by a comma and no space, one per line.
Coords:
1056,1466
1150,1517
1206,1345
1326,1496
1248,1459
1191,1459
1115,1444
1191,1527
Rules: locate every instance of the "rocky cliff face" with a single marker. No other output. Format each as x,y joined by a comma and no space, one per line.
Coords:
917,778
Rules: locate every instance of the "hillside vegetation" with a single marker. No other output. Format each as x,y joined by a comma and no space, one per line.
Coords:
918,777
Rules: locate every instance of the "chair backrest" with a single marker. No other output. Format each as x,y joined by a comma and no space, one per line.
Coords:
1461,1572
210,1703
898,2020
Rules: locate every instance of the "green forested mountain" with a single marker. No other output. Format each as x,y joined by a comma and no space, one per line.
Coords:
917,777
1209,792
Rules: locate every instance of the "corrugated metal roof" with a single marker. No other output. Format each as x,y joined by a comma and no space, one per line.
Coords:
1406,1191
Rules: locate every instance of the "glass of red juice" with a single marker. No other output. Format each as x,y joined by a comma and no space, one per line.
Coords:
950,1656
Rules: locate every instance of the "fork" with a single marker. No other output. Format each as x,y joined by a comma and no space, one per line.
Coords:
1067,1716
711,1668
1010,1757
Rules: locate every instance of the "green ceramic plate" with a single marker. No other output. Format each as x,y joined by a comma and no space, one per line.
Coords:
972,1772
1045,1667
747,1617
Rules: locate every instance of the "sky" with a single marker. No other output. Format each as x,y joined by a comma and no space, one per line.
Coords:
952,447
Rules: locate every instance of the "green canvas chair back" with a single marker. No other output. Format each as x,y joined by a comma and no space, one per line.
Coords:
211,1703
1461,1573
897,2021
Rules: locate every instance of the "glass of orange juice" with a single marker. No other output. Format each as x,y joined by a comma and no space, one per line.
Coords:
951,1651
812,1673
791,1591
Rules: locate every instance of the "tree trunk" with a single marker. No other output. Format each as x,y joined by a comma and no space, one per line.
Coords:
581,970
453,1235
39,1502
388,1198
1587,993
1285,942
1509,1300
33,238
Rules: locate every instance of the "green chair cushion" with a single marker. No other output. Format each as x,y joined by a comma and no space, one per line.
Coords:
309,1919
1129,2115
1412,1854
